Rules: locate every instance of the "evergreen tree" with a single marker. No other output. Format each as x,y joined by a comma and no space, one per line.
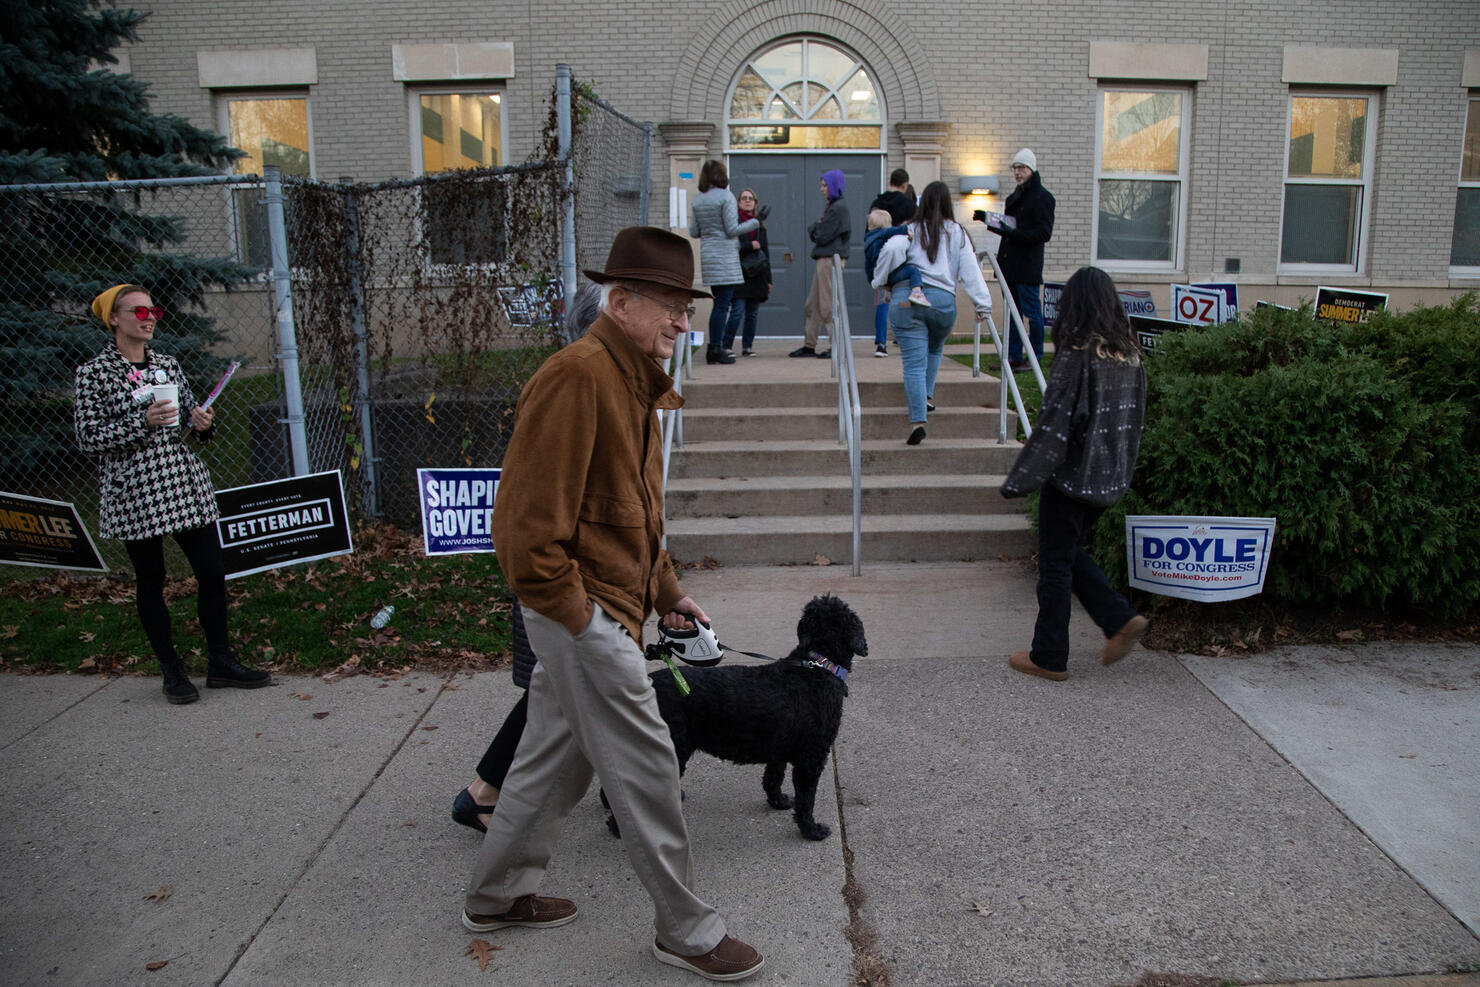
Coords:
65,116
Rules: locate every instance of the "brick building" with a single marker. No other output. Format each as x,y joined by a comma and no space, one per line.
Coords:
1279,145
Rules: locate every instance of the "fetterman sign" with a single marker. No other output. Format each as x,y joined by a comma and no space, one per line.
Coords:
284,522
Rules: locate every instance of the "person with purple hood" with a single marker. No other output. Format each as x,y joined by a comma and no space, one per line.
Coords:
829,239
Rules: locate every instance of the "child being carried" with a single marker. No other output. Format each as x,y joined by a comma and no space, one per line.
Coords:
878,233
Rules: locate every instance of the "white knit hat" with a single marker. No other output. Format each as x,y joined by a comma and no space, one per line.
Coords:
1026,157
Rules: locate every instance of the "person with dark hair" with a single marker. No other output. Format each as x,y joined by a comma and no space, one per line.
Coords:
715,221
943,252
829,235
152,485
475,803
578,526
1081,456
899,202
755,250
1030,207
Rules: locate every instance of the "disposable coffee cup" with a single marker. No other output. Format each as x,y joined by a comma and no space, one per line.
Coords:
171,393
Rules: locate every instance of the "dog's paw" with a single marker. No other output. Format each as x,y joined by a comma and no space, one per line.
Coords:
779,801
815,831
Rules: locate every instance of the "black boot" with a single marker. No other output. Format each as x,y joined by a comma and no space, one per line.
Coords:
717,354
178,688
225,672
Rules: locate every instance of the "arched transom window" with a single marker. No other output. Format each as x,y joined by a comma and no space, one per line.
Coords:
803,95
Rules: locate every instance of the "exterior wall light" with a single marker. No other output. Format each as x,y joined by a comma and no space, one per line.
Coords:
979,185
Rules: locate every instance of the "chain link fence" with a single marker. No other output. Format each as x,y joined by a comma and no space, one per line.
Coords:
419,309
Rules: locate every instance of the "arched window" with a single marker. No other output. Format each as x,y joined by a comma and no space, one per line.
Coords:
805,95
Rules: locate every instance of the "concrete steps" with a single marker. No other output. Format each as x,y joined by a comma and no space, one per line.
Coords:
762,479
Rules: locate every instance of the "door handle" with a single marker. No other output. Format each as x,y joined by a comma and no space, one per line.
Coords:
787,258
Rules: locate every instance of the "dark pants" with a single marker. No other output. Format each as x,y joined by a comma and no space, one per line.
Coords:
719,316
500,754
742,309
1065,567
204,552
1029,298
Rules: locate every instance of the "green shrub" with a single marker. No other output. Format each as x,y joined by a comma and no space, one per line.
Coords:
1363,441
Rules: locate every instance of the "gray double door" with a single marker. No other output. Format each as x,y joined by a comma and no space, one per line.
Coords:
791,184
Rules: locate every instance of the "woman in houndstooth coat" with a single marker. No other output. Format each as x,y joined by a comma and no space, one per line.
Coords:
152,485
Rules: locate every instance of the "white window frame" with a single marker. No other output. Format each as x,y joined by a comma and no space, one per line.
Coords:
443,269
1365,183
1472,98
806,40
1184,156
224,99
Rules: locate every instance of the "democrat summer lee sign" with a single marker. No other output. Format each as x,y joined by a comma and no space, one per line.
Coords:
46,533
1210,559
457,509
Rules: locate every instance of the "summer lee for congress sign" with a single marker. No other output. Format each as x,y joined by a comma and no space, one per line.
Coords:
457,509
1199,558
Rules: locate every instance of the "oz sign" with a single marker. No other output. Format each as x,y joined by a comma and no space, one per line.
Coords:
1197,306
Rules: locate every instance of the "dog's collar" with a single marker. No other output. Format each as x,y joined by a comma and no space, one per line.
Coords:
814,660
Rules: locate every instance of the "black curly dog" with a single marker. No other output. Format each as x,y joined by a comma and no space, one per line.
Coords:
785,712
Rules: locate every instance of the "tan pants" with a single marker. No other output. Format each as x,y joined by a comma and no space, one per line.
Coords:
591,706
819,307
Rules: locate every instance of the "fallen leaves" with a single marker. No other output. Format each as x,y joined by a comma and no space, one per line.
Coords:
320,716
300,695
163,894
981,910
481,950
820,559
156,965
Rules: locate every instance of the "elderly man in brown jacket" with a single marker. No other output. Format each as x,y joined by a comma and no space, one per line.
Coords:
577,524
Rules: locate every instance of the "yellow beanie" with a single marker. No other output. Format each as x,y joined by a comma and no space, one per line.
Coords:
102,306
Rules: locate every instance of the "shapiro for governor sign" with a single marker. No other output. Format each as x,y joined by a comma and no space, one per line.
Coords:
457,509
1199,558
284,522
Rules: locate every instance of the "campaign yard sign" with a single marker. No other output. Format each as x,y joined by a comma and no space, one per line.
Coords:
46,533
1347,305
457,509
1149,331
1229,291
1196,306
283,522
1138,301
1052,292
1209,559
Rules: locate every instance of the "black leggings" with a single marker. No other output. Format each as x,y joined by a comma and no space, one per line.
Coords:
500,754
204,552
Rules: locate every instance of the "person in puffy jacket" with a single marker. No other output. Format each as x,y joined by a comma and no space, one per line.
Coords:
715,220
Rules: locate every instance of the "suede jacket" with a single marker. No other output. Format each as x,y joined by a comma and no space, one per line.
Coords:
579,511
1088,435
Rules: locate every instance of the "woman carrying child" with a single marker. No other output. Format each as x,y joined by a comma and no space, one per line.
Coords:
1081,456
942,252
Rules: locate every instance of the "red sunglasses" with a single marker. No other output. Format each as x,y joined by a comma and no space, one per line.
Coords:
142,312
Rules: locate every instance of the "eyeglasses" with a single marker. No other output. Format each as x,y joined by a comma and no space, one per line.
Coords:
675,312
142,312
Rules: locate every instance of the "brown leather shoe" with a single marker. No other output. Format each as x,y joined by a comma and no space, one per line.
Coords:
1022,661
531,911
1125,639
730,960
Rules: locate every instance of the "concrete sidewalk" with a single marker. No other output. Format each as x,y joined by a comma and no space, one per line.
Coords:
1304,815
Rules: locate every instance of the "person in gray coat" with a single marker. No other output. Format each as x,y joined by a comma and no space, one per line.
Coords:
716,223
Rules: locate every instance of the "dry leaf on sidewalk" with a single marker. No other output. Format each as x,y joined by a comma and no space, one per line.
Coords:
163,894
482,951
156,965
981,910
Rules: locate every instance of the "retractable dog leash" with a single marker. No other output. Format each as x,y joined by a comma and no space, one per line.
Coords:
699,646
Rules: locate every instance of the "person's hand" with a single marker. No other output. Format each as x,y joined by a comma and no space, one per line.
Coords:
684,613
202,418
755,245
161,413
762,212
979,215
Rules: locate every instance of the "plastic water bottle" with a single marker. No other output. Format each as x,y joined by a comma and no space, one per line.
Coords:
382,618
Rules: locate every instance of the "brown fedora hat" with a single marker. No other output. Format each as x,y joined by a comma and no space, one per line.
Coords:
647,253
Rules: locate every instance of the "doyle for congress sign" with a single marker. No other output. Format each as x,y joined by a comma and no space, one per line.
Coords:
457,509
1199,558
45,533
284,522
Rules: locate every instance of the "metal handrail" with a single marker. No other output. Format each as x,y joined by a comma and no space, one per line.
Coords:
679,366
1008,381
850,409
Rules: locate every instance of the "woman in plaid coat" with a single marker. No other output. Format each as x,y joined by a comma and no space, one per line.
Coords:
152,485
